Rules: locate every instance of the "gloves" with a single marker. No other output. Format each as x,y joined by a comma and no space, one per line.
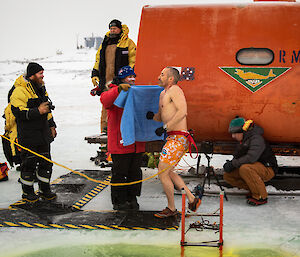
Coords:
96,91
53,132
159,131
228,167
124,87
150,115
95,81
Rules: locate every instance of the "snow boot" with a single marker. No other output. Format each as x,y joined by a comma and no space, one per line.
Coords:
45,191
121,207
133,204
254,202
28,194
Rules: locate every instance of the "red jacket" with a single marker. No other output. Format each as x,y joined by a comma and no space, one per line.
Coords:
114,115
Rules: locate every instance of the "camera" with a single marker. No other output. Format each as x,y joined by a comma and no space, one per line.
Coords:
51,106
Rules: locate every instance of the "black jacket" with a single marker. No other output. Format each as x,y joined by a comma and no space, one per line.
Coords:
254,148
33,128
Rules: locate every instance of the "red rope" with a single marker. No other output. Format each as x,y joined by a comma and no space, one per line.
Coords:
189,138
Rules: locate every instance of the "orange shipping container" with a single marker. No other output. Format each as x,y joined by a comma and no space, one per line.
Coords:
234,60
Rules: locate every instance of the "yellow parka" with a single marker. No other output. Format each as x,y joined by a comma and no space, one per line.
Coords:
10,127
32,127
125,55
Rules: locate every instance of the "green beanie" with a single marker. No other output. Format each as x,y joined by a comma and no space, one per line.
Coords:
236,125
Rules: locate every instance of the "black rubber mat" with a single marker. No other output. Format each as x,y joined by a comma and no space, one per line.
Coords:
120,220
73,192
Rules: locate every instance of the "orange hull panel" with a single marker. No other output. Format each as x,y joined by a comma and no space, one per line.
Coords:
208,38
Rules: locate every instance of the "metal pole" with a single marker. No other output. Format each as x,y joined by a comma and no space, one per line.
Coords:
221,221
183,218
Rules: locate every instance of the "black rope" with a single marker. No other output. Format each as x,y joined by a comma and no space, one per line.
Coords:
204,224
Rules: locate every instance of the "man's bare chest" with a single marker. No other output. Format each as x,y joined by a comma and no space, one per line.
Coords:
166,101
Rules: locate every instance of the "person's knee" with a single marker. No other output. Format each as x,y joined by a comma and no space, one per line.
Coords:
245,169
163,167
163,175
29,163
227,177
45,166
27,176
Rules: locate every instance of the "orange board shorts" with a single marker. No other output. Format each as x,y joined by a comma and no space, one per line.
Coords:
174,149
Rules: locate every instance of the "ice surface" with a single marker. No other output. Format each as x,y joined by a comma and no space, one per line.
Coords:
270,230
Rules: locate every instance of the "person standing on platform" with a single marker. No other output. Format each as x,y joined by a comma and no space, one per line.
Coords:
36,129
117,50
172,112
127,160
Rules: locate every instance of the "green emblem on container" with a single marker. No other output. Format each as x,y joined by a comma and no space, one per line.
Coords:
254,78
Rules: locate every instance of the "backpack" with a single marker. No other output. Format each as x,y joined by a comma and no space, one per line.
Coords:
3,171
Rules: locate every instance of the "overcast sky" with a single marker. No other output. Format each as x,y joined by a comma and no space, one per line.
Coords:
37,28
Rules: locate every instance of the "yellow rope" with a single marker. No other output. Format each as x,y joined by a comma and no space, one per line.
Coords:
87,177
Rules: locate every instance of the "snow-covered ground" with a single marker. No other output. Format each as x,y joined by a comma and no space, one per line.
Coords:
270,230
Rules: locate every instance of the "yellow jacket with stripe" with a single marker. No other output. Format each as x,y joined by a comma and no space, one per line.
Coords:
32,127
10,127
125,55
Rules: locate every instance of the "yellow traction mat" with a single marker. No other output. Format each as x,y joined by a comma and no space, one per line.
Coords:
108,220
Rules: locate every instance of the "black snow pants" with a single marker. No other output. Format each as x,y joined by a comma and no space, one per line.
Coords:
32,163
126,168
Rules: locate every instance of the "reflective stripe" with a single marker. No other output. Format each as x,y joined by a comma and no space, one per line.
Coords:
103,227
45,153
25,182
71,226
26,224
27,115
88,226
46,180
11,224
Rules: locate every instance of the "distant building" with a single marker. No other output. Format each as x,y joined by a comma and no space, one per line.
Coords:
98,42
93,42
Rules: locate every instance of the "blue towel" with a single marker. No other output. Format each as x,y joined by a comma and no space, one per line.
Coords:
137,101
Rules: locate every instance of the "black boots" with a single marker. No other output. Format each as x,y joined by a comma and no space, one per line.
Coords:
45,191
121,207
129,205
28,194
133,204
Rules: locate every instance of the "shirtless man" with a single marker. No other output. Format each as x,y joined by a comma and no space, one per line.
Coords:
172,112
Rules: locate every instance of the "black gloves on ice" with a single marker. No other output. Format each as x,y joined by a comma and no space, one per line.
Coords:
150,115
228,167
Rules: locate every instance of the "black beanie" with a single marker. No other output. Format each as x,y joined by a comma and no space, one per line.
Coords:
115,23
33,68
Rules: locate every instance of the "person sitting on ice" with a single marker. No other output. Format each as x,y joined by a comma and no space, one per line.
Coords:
253,161
127,160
